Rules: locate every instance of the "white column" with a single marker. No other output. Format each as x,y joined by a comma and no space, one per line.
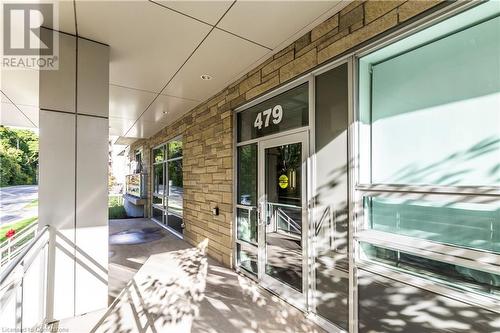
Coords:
74,177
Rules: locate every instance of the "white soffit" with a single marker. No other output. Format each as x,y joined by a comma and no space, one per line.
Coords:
206,11
148,42
18,115
271,22
119,126
222,56
125,141
21,86
173,106
128,103
144,129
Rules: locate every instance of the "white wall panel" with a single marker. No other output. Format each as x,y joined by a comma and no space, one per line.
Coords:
93,78
57,87
56,193
92,214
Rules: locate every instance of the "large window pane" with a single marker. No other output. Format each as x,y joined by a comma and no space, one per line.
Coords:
158,214
247,225
390,306
175,177
247,175
435,108
174,149
159,154
175,204
453,275
246,257
174,222
175,186
158,180
464,224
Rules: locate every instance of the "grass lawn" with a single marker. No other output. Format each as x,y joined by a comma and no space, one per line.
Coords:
32,204
116,209
17,226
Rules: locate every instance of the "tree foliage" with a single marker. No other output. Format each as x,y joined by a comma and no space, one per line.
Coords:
18,156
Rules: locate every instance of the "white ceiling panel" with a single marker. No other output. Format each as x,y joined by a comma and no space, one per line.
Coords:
119,126
208,11
271,22
128,103
222,56
21,86
11,116
148,42
144,129
174,106
125,141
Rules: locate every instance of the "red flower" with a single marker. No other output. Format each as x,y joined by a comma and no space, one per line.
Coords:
10,233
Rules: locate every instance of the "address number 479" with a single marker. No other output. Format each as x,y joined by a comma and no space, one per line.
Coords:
263,117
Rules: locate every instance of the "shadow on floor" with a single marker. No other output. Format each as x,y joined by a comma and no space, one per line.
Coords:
179,289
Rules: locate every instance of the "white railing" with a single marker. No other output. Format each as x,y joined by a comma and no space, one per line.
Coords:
11,247
277,212
23,287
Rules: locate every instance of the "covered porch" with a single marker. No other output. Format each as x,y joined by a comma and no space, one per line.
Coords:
160,283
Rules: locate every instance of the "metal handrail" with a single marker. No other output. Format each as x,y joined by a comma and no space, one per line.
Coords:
5,273
8,246
289,221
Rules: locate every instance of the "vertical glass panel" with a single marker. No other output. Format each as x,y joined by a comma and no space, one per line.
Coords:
442,126
159,154
247,224
330,196
283,172
246,256
158,214
175,178
174,222
247,175
280,113
175,204
174,149
470,225
175,186
158,181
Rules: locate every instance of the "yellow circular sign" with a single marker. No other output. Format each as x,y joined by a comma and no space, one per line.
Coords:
283,181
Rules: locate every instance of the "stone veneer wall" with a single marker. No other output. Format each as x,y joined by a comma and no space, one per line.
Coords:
207,130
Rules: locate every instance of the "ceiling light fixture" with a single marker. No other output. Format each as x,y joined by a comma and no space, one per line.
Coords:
206,77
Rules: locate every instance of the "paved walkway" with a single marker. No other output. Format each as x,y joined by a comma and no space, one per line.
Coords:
180,289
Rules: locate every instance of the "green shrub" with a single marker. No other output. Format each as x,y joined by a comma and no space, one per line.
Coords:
116,208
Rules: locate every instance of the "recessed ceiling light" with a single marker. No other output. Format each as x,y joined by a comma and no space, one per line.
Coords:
206,77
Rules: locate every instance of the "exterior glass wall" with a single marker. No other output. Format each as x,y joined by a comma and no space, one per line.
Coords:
429,163
168,185
411,184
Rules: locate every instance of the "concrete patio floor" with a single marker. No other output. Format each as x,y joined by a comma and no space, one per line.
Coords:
171,286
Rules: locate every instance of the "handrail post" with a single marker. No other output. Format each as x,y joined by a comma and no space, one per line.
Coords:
51,255
9,250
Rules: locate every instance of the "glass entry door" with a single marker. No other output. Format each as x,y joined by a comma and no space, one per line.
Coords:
282,216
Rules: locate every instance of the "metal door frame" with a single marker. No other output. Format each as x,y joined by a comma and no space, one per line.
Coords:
292,296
